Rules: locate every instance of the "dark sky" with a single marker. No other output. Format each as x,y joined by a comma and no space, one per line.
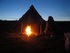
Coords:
14,9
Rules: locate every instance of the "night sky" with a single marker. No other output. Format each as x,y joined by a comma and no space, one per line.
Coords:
14,9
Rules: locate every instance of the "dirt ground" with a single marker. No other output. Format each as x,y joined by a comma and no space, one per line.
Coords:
23,44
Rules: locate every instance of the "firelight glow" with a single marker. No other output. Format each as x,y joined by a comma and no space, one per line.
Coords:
28,30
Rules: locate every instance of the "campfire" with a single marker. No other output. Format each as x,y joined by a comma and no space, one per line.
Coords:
28,30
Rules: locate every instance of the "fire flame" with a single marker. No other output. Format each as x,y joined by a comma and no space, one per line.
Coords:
28,30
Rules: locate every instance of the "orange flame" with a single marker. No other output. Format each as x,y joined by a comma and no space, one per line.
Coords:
28,30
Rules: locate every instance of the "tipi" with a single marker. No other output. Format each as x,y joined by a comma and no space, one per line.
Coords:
32,18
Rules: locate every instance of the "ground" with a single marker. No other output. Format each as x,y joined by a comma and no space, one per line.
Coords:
23,44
